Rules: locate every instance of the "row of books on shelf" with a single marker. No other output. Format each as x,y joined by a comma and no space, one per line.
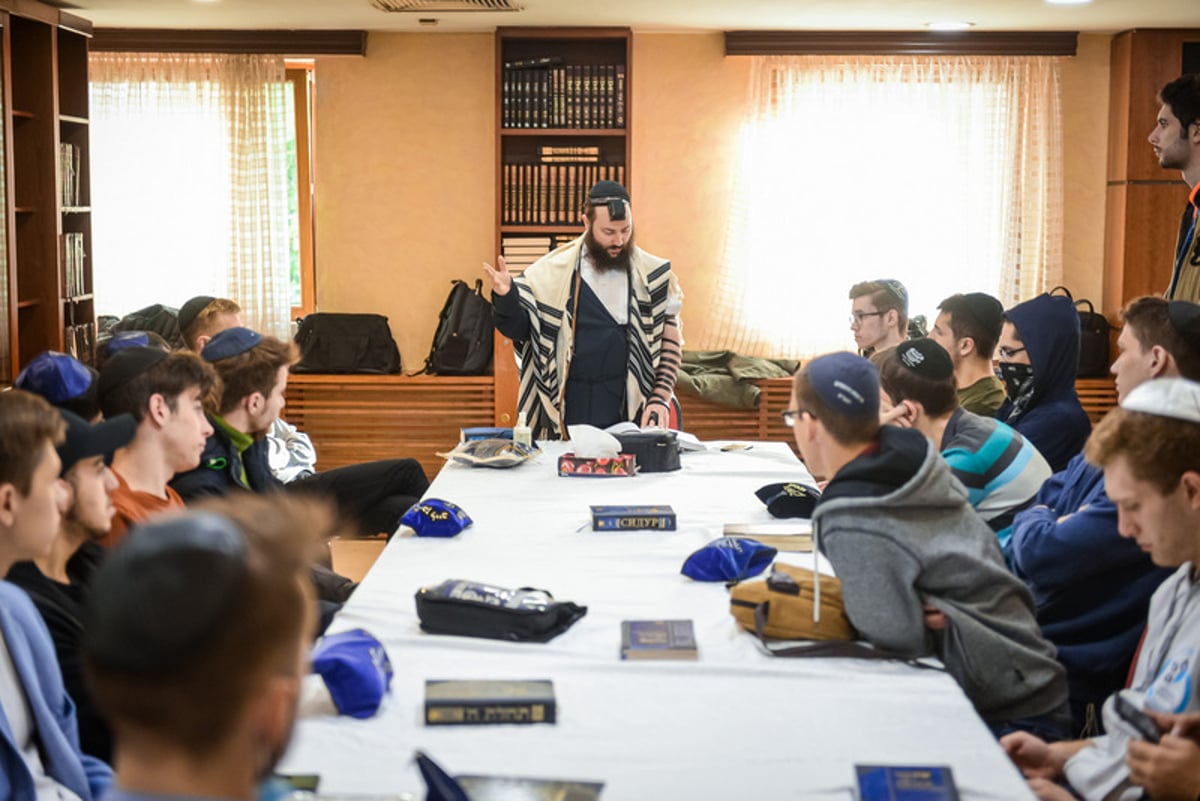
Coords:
521,251
69,168
551,194
564,96
72,257
80,341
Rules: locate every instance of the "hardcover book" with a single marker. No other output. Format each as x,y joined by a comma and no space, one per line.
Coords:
626,518
472,703
793,536
903,783
658,639
503,788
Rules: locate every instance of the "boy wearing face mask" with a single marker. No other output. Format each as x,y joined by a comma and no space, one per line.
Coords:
1038,357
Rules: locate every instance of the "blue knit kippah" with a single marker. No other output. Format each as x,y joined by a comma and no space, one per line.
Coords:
230,342
848,384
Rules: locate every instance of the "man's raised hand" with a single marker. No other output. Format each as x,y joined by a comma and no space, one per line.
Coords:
500,276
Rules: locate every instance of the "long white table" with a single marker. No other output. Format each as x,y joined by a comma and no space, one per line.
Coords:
737,724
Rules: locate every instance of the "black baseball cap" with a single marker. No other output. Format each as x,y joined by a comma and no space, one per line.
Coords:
85,440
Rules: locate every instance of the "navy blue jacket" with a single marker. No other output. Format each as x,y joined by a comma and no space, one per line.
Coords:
1092,587
220,469
1053,420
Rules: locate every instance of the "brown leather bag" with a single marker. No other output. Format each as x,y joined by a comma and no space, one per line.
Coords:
781,606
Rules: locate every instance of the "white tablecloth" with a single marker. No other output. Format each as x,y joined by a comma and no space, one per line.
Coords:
737,724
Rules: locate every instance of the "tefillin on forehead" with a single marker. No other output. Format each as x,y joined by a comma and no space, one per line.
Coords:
611,195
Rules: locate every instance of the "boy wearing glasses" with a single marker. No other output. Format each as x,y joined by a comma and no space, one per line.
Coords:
921,572
878,314
1039,357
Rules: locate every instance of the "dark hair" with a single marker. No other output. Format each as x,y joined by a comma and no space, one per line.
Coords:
1157,449
1151,324
171,377
195,706
252,371
1183,96
846,430
964,324
886,294
27,422
938,397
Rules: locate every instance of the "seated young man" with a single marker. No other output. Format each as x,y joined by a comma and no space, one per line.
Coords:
1149,450
968,327
1000,469
165,394
1039,357
375,494
39,742
225,641
878,314
902,538
56,590
1094,609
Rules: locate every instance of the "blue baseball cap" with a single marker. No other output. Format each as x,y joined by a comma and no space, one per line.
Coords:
55,376
229,343
848,384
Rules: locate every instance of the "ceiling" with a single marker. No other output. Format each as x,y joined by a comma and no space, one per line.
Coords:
1099,16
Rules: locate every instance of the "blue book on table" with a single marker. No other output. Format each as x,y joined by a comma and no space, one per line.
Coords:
905,783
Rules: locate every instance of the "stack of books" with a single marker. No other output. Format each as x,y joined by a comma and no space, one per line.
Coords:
541,193
545,93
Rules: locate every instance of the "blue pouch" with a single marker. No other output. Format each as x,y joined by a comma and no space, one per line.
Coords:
434,517
356,669
728,559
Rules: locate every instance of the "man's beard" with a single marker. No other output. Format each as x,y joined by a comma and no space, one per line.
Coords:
603,260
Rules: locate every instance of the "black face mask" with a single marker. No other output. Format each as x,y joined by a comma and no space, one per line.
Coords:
1017,378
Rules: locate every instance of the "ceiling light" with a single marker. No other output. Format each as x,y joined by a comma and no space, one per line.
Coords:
950,25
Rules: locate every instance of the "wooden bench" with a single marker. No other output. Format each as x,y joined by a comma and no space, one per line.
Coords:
358,418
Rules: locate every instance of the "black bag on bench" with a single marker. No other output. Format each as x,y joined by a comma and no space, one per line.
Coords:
346,343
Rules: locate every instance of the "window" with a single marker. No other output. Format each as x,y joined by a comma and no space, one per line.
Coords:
943,172
195,182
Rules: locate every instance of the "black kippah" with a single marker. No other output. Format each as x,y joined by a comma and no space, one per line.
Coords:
189,311
603,190
925,358
126,365
987,310
1185,318
789,499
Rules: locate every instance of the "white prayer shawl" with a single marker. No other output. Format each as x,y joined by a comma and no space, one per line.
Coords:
545,288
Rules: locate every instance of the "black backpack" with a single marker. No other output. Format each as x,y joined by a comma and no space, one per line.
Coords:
462,344
162,320
1093,338
346,343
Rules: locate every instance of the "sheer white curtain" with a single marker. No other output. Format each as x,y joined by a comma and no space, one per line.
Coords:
189,182
942,172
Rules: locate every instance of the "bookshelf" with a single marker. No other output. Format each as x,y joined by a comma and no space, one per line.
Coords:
45,279
562,123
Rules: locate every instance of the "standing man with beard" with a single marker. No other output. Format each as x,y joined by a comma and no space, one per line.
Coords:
1176,142
596,324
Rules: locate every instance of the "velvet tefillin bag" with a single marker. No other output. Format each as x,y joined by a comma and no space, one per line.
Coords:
728,559
474,609
654,451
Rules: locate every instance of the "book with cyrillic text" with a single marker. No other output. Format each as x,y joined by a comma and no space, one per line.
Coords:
904,783
630,518
473,703
658,639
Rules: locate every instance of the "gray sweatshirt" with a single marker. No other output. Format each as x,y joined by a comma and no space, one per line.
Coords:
899,531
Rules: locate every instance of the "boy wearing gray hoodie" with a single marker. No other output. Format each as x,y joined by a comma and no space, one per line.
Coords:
921,572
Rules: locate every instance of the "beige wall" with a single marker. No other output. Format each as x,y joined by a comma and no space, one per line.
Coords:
405,168
1085,164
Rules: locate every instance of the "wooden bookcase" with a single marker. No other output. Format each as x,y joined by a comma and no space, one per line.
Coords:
45,196
562,122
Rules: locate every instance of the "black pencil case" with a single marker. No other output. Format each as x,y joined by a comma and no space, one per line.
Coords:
473,609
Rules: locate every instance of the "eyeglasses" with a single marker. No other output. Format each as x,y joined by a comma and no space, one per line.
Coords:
857,317
1008,353
790,416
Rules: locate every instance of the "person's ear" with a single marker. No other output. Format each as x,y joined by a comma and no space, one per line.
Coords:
966,346
201,341
157,409
9,501
1160,360
254,403
1190,482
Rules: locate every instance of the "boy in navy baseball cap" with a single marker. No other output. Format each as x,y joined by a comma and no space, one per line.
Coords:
905,543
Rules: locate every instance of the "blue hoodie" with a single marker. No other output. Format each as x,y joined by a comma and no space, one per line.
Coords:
1092,587
1053,420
